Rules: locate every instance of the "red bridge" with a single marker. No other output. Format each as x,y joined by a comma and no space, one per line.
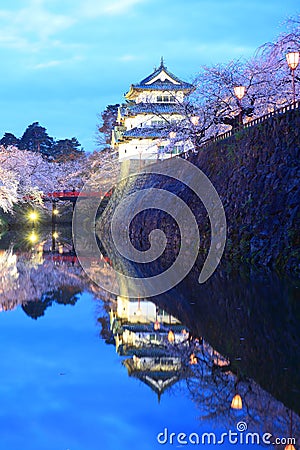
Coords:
73,195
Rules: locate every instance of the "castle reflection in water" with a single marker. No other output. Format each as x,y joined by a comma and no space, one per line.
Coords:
154,346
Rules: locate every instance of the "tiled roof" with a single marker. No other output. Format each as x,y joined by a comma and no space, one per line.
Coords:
167,85
155,108
162,86
147,132
150,352
144,327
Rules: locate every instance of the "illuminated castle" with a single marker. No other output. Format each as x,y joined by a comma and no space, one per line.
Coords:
152,106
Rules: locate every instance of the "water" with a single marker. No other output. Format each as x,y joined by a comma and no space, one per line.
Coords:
69,382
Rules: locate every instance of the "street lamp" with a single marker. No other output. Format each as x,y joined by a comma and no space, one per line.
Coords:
171,336
195,120
292,59
290,446
33,216
172,135
33,237
156,325
239,92
237,402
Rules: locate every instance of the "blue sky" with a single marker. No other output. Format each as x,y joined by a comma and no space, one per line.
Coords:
63,62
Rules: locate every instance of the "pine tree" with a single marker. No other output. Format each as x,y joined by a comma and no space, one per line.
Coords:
36,139
9,139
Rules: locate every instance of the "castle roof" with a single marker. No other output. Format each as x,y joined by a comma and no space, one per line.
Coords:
160,79
146,133
158,381
151,108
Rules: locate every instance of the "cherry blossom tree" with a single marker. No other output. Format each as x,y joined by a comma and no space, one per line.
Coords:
25,177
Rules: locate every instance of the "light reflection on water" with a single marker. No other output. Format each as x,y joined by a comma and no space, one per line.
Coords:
63,386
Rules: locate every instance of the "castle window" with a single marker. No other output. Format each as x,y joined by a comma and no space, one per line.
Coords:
166,99
157,123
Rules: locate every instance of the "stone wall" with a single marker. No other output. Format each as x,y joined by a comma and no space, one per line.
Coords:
256,173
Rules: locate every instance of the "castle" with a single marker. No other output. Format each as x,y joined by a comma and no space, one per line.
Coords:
153,107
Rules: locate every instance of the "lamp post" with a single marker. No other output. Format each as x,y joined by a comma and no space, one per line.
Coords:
292,59
290,446
171,336
237,402
172,135
33,216
195,122
239,92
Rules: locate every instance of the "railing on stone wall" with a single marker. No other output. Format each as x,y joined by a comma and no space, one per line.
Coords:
249,124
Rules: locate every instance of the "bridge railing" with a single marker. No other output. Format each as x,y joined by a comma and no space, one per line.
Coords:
65,195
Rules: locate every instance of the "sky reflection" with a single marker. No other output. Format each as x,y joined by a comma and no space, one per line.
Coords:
63,388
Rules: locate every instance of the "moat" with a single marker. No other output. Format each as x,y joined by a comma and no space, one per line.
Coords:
83,369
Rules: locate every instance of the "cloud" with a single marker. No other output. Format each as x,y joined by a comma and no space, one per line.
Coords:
96,8
27,28
47,64
128,58
56,62
120,6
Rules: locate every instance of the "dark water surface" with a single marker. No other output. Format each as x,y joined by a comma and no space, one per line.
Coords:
85,370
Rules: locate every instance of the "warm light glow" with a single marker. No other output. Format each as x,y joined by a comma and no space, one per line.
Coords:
237,402
60,249
293,59
171,337
239,91
55,234
195,120
33,237
55,212
193,359
156,325
172,134
33,215
289,447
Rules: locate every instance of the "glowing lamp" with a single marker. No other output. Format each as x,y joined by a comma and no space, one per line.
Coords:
292,59
290,447
33,237
171,336
239,91
195,120
193,359
156,325
55,212
237,402
33,215
55,234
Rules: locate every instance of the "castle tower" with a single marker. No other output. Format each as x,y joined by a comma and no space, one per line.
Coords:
152,106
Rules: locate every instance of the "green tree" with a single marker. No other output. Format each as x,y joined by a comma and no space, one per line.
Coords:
9,139
108,119
67,149
36,139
